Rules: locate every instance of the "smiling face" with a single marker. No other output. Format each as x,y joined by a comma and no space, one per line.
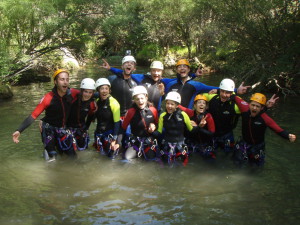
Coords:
255,108
140,100
62,83
156,74
128,68
225,95
171,106
87,94
200,106
104,92
183,70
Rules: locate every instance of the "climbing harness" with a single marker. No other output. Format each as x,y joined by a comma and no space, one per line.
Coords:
142,145
103,142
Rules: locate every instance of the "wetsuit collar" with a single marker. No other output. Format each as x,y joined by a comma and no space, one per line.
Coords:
54,90
179,78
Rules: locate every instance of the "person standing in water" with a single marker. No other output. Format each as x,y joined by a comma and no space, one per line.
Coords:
142,118
81,108
108,120
254,124
56,104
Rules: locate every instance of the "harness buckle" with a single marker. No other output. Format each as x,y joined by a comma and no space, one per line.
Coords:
140,153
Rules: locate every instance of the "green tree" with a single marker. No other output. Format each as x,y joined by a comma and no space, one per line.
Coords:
262,39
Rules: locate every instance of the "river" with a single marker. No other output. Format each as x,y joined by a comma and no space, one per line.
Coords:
96,190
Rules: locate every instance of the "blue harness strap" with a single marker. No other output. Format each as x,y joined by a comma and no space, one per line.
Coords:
103,140
65,139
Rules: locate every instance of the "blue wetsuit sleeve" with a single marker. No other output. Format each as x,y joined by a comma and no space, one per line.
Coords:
203,88
138,78
115,70
169,84
192,76
167,80
111,78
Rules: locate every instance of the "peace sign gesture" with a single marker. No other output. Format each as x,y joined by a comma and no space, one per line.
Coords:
203,121
271,102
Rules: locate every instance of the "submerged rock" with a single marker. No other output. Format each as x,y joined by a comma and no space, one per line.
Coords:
5,91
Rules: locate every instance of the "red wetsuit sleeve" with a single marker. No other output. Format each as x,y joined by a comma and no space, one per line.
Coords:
74,93
188,111
93,108
243,106
155,114
273,125
210,123
44,103
128,116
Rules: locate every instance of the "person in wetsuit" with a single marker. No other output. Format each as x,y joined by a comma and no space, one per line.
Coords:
56,104
189,88
171,128
254,124
225,114
123,84
153,82
142,118
200,141
108,120
185,86
83,107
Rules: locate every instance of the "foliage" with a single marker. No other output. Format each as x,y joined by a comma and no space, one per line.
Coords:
255,41
265,33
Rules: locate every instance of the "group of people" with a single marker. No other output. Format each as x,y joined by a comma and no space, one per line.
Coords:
198,119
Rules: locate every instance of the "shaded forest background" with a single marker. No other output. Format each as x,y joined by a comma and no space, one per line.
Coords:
256,41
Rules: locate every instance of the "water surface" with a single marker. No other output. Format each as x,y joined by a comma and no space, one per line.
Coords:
95,190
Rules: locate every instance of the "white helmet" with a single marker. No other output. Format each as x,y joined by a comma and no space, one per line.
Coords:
174,96
227,85
128,58
139,90
87,83
102,81
157,65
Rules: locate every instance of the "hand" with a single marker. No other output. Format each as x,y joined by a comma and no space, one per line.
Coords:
41,126
105,64
292,137
271,102
161,88
203,121
242,89
151,128
193,123
199,71
213,91
114,146
16,136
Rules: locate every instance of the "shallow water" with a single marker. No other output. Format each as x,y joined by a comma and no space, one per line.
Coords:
96,190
